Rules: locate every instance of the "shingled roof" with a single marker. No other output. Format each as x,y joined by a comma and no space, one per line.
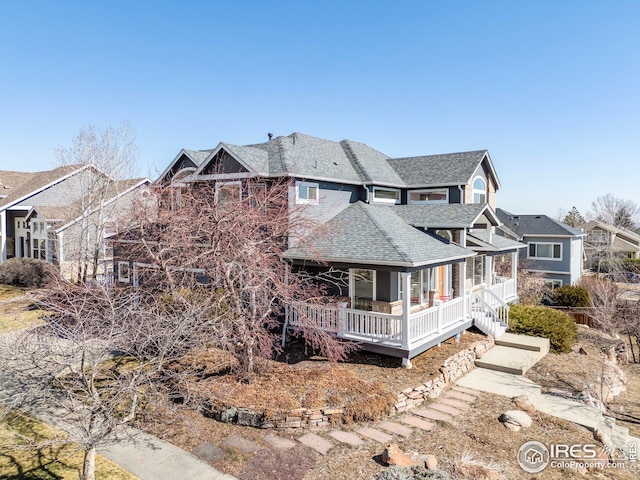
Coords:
444,215
375,235
531,225
305,156
19,185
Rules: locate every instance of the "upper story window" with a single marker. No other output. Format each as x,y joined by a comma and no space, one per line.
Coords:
307,192
429,196
545,251
386,195
479,191
597,237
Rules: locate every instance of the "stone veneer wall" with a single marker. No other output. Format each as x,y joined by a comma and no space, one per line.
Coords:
452,369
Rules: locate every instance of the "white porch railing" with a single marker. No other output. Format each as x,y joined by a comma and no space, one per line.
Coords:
374,327
505,289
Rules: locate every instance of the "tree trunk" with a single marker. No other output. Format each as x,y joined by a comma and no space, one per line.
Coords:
89,464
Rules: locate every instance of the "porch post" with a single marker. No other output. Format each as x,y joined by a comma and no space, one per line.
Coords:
514,265
405,279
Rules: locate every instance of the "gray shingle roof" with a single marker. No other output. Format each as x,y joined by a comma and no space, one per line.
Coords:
535,225
22,184
198,156
445,215
444,169
497,242
304,156
374,234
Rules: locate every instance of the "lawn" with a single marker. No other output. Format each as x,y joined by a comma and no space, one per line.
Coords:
30,449
16,309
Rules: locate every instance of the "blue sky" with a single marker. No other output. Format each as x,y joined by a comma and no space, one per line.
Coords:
550,88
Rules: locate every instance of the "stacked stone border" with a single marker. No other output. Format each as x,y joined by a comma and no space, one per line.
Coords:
451,370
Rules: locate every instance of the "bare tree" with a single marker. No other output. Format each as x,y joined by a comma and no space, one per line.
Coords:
616,211
604,302
101,354
629,324
94,202
228,243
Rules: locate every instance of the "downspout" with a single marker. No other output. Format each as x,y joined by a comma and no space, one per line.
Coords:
461,193
368,193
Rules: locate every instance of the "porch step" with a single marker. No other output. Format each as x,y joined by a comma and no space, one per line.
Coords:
524,342
509,359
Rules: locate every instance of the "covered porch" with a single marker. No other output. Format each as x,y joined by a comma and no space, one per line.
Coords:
409,331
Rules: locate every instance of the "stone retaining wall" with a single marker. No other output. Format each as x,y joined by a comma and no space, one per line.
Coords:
451,370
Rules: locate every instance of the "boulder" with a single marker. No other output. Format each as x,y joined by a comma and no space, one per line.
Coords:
524,403
431,462
393,455
515,419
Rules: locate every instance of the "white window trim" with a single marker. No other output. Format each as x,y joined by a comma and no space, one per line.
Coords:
549,259
428,190
475,190
220,185
385,200
553,282
308,201
121,278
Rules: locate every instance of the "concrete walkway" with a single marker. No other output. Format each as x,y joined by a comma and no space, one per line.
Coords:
150,458
144,455
501,373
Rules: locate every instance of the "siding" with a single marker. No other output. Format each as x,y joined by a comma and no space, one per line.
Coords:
334,198
64,192
563,265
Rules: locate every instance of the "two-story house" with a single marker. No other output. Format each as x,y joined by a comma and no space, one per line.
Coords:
53,215
415,236
553,248
604,241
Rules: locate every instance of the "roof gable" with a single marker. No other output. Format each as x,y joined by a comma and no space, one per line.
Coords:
187,161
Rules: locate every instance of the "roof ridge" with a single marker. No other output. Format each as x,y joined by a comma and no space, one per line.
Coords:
283,162
346,147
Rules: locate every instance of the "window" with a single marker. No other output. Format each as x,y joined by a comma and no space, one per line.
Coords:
228,191
40,248
429,196
476,270
363,288
597,237
123,272
445,234
479,191
553,283
546,251
307,192
386,195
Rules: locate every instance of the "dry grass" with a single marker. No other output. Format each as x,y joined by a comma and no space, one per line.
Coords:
30,449
16,310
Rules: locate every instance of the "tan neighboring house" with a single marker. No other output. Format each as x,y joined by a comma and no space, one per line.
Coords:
605,240
62,215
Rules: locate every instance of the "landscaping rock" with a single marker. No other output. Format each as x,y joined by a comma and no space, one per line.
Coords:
431,462
393,455
524,403
515,420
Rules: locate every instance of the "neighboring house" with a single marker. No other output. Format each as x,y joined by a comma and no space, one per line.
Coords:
603,241
60,215
415,236
553,248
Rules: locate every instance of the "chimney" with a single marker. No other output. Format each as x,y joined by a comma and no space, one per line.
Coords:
270,135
